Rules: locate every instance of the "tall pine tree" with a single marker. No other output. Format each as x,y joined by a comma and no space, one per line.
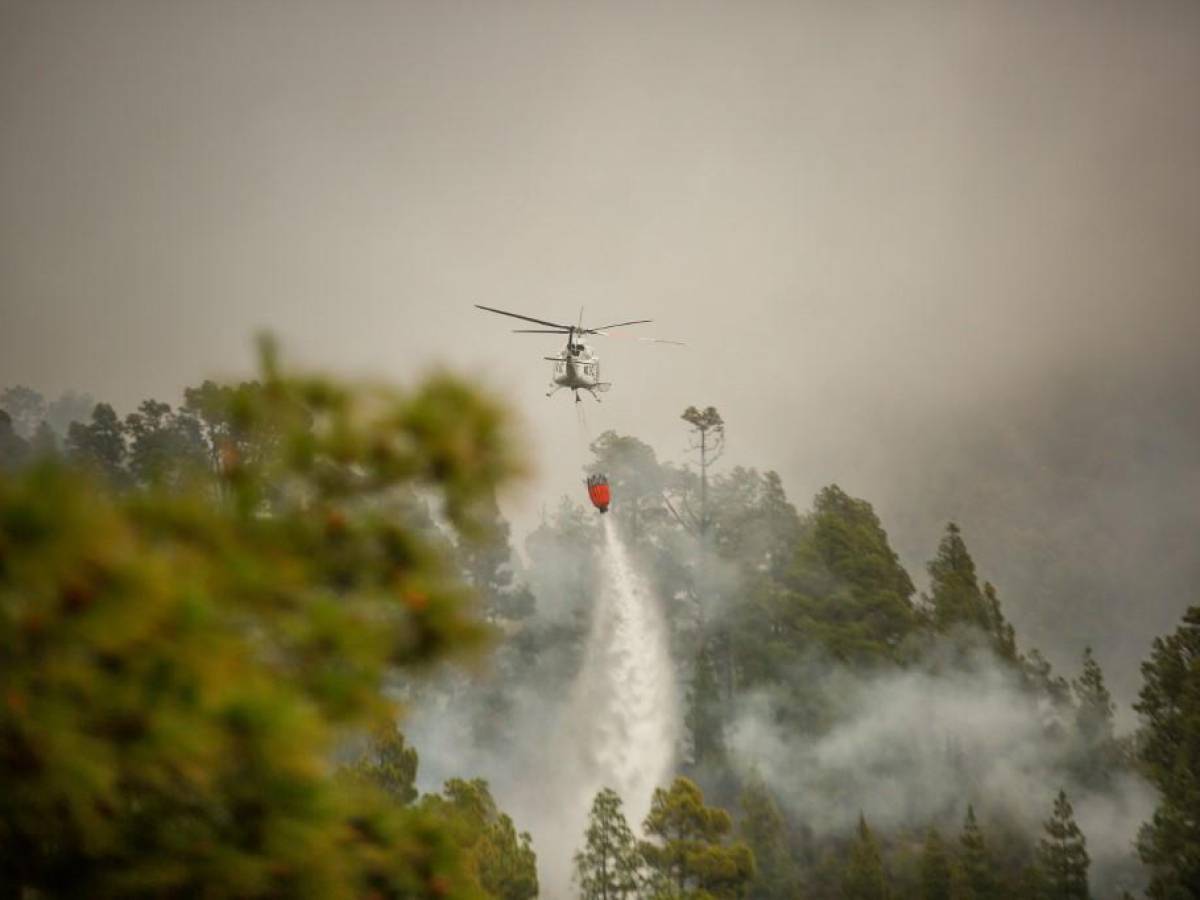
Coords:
1098,754
609,865
1062,856
705,713
100,444
689,853
762,826
958,601
852,543
975,862
935,868
864,878
1095,716
1169,704
954,587
503,859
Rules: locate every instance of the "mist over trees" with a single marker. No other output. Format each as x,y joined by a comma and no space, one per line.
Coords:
211,613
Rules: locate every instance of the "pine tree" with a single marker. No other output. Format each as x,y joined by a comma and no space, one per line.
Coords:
955,593
1031,882
1099,753
935,868
506,862
1095,705
609,865
1062,856
688,851
864,878
704,716
708,442
763,828
869,586
165,447
1169,704
100,444
957,599
1004,638
503,859
975,863
1039,676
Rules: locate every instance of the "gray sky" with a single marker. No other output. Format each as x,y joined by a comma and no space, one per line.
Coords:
936,252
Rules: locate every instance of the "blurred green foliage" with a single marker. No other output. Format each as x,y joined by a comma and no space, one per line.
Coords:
179,662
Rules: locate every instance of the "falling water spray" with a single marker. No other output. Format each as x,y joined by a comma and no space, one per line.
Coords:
625,702
622,723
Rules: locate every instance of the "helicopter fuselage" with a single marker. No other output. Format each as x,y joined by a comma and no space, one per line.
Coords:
576,368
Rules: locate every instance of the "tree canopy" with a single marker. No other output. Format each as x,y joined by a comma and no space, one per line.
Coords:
178,665
1169,704
609,867
688,851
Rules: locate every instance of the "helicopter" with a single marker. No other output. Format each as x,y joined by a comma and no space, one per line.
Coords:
576,367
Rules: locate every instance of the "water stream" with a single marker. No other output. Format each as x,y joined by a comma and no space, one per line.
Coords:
625,708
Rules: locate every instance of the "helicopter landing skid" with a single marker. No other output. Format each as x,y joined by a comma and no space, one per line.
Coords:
576,391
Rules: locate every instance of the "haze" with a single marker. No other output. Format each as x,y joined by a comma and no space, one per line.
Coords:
942,254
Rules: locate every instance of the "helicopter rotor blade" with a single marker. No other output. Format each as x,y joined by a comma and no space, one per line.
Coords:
617,325
541,331
504,312
644,340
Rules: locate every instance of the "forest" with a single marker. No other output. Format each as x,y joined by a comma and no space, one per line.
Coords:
277,639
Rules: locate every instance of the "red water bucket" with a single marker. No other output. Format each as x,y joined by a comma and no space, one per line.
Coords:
599,493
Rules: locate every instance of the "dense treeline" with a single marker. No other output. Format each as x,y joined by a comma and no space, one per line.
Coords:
209,600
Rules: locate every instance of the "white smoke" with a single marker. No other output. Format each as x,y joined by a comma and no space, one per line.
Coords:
918,746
